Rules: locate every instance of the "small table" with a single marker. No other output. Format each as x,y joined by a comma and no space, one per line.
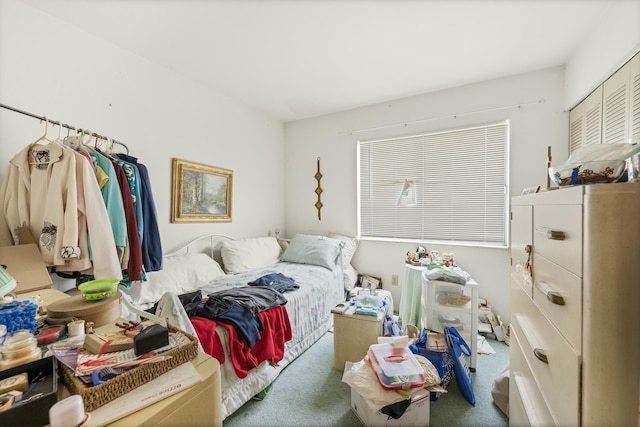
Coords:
198,405
352,336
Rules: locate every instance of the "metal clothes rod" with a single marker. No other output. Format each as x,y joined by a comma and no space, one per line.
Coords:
73,128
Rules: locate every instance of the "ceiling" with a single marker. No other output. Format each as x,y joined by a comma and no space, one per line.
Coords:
295,59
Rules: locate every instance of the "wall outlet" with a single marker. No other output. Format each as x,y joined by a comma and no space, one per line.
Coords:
394,280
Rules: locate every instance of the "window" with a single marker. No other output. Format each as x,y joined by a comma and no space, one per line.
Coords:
443,187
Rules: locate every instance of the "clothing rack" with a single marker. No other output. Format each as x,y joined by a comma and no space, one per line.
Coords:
73,128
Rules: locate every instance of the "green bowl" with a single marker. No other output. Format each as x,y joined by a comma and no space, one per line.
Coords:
96,290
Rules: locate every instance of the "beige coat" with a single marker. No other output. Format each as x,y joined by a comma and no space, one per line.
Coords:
102,259
42,195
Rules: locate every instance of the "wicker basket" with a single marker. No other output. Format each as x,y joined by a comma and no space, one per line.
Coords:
98,395
458,299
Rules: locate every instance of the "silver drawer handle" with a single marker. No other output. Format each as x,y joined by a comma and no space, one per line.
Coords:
553,296
530,336
541,355
552,234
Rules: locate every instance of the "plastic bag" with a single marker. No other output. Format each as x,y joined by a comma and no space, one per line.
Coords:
597,152
448,274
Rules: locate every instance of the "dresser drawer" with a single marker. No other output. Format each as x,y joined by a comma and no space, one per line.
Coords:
558,235
558,294
553,363
526,403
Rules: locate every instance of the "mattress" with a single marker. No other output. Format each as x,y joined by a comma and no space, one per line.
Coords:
309,311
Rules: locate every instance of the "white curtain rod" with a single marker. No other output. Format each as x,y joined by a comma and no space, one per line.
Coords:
58,123
453,116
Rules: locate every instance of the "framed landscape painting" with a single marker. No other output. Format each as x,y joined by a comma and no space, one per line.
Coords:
201,193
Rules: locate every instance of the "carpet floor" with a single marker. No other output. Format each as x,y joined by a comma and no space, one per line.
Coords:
310,392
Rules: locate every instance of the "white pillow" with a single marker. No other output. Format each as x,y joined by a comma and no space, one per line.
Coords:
349,249
315,250
350,277
243,255
180,274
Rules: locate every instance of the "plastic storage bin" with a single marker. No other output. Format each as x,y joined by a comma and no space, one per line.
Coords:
396,367
451,305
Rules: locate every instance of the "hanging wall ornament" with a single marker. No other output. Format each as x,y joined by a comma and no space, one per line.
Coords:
318,204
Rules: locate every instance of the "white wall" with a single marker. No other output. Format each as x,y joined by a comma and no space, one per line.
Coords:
51,68
533,127
606,49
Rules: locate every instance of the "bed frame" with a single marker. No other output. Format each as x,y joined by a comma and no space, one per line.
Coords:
236,391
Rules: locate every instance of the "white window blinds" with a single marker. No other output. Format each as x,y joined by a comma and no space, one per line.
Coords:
448,186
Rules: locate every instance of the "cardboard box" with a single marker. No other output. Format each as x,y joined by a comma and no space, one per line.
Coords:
43,379
416,415
24,263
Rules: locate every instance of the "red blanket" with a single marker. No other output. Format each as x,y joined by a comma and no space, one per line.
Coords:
270,346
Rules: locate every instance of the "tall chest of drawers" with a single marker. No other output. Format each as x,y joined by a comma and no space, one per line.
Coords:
575,307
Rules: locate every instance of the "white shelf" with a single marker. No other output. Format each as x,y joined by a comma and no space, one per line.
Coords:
464,317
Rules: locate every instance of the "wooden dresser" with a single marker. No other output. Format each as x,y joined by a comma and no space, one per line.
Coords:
575,307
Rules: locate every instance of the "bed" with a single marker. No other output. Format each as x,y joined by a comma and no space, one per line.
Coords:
212,264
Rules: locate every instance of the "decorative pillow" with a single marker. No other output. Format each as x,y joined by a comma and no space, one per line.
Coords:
180,274
349,249
243,255
315,250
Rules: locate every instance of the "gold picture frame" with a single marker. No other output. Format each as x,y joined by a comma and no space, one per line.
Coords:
201,193
369,282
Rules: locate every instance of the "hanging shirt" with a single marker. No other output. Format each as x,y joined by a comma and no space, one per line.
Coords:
112,197
134,266
151,244
43,196
133,178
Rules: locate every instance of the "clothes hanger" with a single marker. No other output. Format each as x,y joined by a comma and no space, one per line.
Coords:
73,141
109,142
108,151
40,157
86,144
46,130
59,139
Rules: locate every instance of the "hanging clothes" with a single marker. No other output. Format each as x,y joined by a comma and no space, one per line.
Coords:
133,178
99,258
42,195
112,197
151,244
134,266
70,196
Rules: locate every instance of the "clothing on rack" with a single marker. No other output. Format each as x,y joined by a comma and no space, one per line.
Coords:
85,209
112,198
134,266
101,260
151,244
39,189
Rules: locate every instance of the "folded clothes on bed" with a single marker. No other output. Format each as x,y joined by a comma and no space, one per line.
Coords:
277,281
253,298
